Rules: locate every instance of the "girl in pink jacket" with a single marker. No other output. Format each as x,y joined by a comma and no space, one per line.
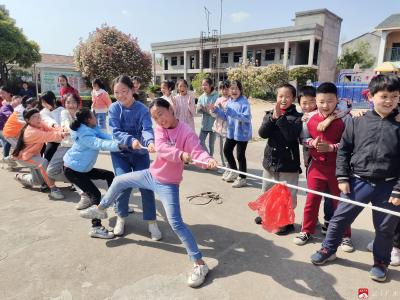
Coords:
175,143
100,102
31,140
184,104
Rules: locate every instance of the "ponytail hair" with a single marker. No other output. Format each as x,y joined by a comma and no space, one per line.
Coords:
82,117
20,143
170,84
99,83
210,83
49,98
66,79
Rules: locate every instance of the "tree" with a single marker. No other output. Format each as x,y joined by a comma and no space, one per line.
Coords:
302,74
196,82
358,55
108,53
259,82
15,48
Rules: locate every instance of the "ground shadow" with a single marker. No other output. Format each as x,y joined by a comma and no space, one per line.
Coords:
237,252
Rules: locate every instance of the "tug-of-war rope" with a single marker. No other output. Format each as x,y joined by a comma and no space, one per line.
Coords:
372,207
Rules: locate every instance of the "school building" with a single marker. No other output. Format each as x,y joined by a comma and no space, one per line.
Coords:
312,41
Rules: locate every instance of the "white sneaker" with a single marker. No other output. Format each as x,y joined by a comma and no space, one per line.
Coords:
231,177
347,245
93,212
100,232
23,179
119,226
302,238
131,210
239,182
10,162
84,202
395,258
225,175
370,246
154,231
198,275
56,194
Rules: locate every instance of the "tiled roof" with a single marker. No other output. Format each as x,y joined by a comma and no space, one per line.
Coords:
392,21
55,59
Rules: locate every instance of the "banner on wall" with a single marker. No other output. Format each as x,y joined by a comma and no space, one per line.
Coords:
49,81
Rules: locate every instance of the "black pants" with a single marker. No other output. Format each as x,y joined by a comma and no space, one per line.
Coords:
85,183
240,154
51,148
396,239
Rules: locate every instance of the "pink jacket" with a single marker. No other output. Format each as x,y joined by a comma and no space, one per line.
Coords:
100,101
35,138
170,143
185,109
219,123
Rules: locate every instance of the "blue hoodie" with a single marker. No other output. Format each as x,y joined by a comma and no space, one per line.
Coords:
238,115
87,143
131,123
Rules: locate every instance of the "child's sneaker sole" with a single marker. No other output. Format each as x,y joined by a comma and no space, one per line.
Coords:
330,258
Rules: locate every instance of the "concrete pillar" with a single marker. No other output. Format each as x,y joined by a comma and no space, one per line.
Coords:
153,58
285,54
201,60
382,47
244,54
311,51
185,65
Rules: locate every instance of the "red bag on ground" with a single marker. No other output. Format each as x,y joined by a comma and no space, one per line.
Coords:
275,208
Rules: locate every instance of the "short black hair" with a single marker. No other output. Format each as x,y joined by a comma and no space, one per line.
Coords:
306,91
288,86
226,84
390,83
159,102
327,88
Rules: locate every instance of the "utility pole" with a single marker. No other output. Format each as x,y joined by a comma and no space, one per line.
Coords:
219,44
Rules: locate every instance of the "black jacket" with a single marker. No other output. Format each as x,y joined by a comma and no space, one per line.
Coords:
281,153
370,148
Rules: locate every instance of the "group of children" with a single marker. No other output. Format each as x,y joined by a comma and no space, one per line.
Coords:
355,157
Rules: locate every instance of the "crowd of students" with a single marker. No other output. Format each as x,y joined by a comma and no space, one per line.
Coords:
348,155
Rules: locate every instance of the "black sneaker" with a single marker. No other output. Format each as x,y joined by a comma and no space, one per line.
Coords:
258,220
324,228
44,188
285,230
322,256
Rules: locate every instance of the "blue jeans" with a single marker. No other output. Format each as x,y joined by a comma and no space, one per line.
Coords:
6,145
101,120
127,162
385,224
169,196
211,141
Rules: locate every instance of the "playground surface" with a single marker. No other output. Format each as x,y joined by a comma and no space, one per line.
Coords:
46,253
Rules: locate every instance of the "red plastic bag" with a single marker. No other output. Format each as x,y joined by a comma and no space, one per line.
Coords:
275,208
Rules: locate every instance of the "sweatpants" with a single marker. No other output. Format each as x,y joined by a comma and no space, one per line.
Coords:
51,148
55,169
221,141
240,154
290,178
322,178
85,183
38,175
385,224
211,141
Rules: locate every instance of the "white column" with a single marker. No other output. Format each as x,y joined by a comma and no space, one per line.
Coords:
153,58
244,54
382,47
311,51
285,54
185,64
201,60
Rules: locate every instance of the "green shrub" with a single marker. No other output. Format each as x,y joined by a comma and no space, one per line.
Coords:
302,74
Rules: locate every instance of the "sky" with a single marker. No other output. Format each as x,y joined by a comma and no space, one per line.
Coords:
57,26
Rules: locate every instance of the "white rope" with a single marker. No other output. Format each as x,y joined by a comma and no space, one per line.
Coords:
384,210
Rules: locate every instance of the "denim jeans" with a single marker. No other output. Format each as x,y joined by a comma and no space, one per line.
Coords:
101,120
385,224
127,162
6,145
211,141
169,196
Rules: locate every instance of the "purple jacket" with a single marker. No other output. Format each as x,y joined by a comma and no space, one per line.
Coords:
5,113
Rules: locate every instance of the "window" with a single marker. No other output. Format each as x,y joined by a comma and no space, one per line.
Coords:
174,60
282,51
224,58
182,60
192,65
270,54
237,56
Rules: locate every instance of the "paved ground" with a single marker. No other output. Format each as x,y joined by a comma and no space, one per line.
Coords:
45,252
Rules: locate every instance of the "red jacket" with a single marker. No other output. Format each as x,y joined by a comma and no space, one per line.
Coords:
69,90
